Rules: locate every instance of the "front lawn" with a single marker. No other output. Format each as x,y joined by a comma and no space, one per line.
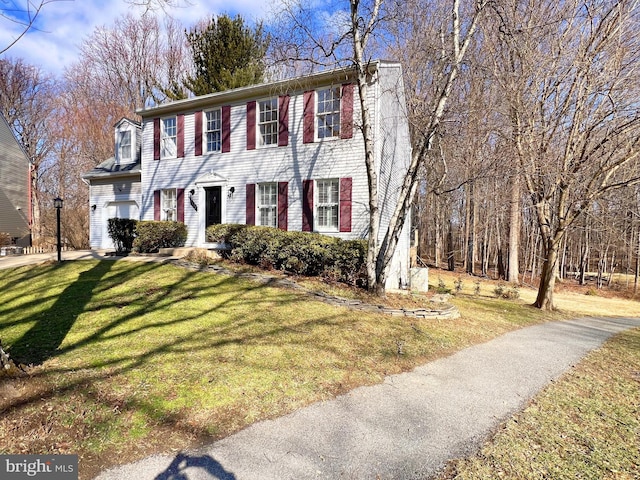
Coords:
133,358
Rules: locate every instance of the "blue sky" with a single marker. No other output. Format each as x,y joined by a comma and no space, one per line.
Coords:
63,24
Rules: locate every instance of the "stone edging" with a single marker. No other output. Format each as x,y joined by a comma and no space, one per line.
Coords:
447,312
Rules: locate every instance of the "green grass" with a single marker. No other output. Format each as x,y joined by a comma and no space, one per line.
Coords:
134,358
585,425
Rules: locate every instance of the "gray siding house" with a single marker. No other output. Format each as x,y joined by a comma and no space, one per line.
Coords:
15,211
287,154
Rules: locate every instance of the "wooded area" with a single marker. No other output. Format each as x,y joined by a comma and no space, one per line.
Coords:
524,116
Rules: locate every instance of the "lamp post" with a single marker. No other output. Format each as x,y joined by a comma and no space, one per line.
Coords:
57,203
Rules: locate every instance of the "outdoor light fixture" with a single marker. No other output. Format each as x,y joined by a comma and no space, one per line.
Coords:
193,204
93,207
231,191
57,203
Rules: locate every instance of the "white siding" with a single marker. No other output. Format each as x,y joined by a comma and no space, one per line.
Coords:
333,158
395,156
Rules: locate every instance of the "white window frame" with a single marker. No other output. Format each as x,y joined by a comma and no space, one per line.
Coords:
125,134
267,125
328,102
327,205
213,127
169,204
267,204
169,137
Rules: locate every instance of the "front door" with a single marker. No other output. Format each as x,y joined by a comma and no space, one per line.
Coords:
213,199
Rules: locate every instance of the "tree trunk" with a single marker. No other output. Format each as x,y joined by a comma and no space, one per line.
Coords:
451,259
467,230
544,299
514,233
637,273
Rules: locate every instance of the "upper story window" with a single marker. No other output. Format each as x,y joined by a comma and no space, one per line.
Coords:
169,138
328,113
328,201
169,204
125,145
267,204
213,130
268,122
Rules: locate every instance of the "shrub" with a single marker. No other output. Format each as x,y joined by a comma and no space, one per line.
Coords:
300,253
501,291
350,260
122,232
153,235
223,233
442,287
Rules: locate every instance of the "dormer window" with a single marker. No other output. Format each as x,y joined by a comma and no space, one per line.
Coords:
125,145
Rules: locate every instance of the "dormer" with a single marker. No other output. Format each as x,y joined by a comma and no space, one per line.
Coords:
127,141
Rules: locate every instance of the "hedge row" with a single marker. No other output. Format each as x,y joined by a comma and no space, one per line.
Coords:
146,236
301,253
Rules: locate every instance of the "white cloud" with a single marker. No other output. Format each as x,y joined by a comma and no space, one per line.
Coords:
62,25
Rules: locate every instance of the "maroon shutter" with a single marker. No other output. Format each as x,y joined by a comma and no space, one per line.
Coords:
198,133
345,204
307,205
226,129
308,114
283,121
283,205
251,204
156,205
251,125
156,139
180,135
180,204
346,111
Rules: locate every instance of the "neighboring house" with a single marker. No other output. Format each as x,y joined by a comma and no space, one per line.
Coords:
287,154
15,211
114,185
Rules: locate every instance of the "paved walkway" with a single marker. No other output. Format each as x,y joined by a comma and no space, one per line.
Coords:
405,428
11,261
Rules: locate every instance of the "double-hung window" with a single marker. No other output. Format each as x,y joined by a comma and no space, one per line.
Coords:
267,204
169,204
213,130
125,145
169,139
328,116
268,122
327,204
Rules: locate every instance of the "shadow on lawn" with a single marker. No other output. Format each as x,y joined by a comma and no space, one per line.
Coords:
42,340
181,462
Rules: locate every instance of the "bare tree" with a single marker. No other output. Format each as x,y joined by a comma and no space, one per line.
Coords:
351,42
134,61
572,93
24,14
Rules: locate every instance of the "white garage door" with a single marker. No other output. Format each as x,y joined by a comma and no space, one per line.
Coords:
122,209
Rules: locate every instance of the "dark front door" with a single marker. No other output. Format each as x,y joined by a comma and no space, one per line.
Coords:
214,205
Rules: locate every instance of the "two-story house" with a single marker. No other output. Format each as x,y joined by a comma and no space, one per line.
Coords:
15,198
286,154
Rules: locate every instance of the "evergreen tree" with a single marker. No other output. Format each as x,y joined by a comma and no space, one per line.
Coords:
226,54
